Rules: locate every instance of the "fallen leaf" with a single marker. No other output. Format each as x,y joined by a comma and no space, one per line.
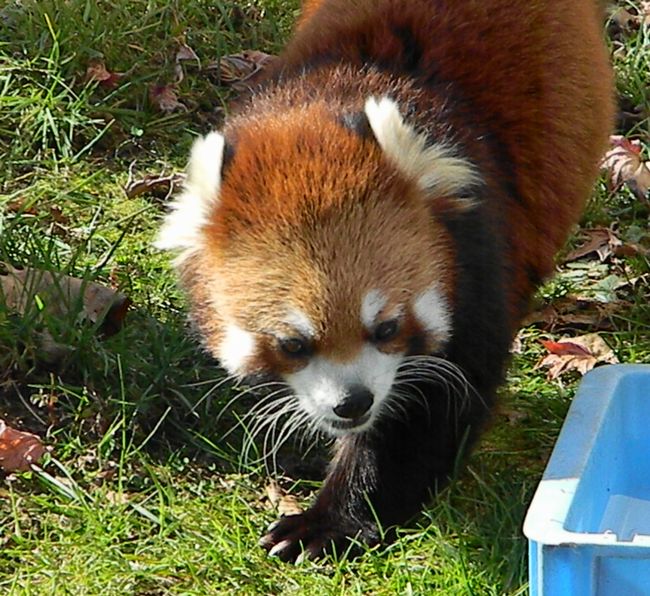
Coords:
163,186
165,99
56,294
631,249
574,312
18,449
117,497
273,492
602,241
97,71
284,503
625,165
236,69
623,21
517,346
565,348
289,505
579,354
619,52
183,54
644,13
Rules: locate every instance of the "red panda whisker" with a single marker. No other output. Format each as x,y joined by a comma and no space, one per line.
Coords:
310,431
393,407
450,378
255,389
260,424
267,404
270,407
286,431
220,380
420,397
258,414
231,401
443,366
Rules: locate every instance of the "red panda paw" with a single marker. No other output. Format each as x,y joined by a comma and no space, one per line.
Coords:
311,535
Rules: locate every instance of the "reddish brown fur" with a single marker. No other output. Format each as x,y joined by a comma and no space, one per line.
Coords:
313,216
551,116
294,162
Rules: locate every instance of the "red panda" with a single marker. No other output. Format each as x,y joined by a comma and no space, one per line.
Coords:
369,226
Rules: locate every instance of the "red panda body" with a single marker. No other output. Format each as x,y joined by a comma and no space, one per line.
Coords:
369,227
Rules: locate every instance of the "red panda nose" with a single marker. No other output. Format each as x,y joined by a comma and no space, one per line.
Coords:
355,404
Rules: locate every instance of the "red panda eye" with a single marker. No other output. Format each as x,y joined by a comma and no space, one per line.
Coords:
386,331
295,347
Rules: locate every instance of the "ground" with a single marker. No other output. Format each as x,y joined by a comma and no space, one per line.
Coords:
145,490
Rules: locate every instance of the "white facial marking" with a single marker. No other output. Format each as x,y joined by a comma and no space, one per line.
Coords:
190,211
236,348
300,322
433,311
373,303
323,384
434,168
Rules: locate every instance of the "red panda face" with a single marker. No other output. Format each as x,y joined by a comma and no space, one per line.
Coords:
316,258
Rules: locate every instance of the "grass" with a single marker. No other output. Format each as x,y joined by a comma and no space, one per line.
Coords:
145,491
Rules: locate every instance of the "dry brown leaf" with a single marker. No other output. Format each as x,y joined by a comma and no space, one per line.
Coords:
619,51
624,20
579,354
97,71
163,186
289,505
625,165
644,13
273,492
57,294
602,241
236,69
574,312
284,503
517,345
631,249
117,497
165,99
183,54
18,449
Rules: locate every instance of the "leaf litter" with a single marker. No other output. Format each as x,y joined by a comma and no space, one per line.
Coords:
19,449
279,499
97,71
53,294
625,165
579,354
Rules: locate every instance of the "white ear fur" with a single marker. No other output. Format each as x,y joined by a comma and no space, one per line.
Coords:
435,169
190,211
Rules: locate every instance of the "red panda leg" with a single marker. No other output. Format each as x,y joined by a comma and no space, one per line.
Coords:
381,479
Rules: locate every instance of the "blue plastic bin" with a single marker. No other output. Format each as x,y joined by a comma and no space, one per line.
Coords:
588,525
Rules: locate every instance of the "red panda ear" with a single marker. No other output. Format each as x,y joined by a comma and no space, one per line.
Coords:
181,229
437,169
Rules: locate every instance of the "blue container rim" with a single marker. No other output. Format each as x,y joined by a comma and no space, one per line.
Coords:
548,510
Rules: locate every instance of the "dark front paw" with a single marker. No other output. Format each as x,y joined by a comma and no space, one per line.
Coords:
312,535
